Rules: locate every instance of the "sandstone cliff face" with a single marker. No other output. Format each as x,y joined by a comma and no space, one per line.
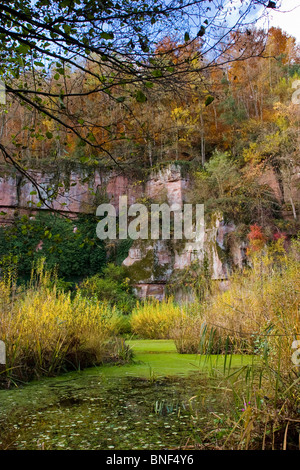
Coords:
151,262
77,194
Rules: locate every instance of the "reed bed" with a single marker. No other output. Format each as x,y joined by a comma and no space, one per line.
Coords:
259,315
46,331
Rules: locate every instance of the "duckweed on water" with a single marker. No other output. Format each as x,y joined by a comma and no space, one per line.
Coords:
92,413
109,408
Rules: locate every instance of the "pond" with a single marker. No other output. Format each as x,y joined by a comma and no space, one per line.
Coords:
162,401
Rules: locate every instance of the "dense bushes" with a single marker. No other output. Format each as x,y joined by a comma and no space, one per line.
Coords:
224,185
112,286
71,246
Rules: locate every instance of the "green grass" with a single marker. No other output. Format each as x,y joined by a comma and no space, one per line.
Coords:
159,358
152,345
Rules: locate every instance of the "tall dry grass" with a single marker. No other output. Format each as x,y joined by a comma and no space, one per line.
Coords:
260,312
46,331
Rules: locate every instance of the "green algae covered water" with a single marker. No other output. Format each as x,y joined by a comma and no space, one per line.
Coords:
161,401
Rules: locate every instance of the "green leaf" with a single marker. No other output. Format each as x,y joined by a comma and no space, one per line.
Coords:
201,31
140,97
186,37
67,28
23,49
157,73
209,99
106,35
49,135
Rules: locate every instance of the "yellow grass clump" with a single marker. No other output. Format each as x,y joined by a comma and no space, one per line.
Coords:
153,319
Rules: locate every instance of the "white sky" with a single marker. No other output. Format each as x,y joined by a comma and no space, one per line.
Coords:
288,18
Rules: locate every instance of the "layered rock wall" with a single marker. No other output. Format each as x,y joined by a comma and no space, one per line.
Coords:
152,262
